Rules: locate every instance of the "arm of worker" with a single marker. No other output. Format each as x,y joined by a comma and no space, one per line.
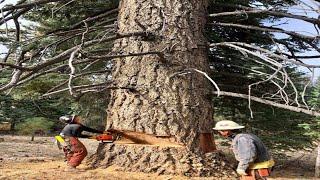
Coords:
246,153
85,128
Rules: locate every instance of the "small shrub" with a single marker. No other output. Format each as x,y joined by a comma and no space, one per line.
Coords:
32,125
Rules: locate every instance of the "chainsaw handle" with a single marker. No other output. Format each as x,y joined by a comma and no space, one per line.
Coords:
111,131
107,132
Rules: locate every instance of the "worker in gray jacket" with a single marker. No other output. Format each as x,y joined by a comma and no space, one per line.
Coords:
254,159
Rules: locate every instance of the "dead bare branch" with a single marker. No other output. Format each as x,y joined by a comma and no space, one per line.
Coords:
77,88
283,58
125,55
15,66
13,82
62,56
266,29
89,19
208,77
14,15
263,101
271,61
72,72
75,77
248,10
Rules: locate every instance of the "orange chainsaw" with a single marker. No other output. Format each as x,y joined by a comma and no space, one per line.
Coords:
104,138
113,135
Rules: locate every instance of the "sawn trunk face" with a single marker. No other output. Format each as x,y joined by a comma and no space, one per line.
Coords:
162,102
156,100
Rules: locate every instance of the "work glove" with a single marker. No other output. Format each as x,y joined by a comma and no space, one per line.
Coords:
241,172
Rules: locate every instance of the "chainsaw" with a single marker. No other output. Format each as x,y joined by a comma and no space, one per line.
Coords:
104,138
113,135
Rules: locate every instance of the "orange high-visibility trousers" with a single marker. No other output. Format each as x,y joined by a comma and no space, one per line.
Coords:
78,152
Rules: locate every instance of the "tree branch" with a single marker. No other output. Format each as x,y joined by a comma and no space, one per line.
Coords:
15,66
15,15
266,29
107,13
15,78
263,101
76,88
29,5
265,51
125,55
248,10
62,56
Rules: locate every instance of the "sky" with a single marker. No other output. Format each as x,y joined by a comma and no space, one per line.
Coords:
289,24
305,28
3,49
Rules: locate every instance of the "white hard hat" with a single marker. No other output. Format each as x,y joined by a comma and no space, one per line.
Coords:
227,125
67,119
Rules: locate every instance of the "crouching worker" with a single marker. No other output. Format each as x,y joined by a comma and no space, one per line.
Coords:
254,159
74,150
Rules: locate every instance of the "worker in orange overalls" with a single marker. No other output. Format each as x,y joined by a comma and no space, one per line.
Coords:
254,159
74,150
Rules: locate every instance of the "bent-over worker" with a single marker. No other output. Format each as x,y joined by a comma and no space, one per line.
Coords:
74,150
254,159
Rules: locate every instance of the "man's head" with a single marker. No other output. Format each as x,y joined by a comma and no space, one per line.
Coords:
68,119
226,128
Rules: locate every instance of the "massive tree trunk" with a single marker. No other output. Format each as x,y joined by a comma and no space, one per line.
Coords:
168,113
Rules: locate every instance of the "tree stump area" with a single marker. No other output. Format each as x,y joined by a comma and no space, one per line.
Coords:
162,160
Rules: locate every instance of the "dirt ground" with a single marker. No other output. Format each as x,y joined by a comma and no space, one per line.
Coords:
41,159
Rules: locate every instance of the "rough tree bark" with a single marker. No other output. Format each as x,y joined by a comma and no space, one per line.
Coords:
169,113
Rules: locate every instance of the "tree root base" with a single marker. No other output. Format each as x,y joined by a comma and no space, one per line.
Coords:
162,160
